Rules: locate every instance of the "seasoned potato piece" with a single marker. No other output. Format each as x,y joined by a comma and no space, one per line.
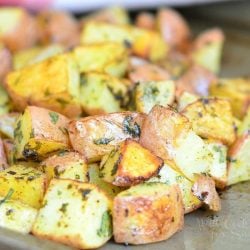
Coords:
212,118
4,101
16,215
18,29
239,160
96,136
28,184
95,178
113,92
114,15
148,94
147,213
74,213
7,124
35,54
108,57
171,176
130,164
39,132
147,72
58,27
5,61
9,150
237,91
144,43
3,159
173,28
204,189
66,165
207,49
145,20
195,80
53,84
161,129
244,127
185,99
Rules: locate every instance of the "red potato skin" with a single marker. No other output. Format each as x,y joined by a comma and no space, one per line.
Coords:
145,20
3,159
5,62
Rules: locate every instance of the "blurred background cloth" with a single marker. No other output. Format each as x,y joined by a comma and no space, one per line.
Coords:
88,5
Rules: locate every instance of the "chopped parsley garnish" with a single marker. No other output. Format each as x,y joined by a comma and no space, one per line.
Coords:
53,117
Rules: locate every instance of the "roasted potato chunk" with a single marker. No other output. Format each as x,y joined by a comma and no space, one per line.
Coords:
3,159
4,101
244,126
5,61
39,132
236,90
18,29
16,215
172,176
36,54
28,184
130,164
204,189
173,28
147,213
53,84
8,145
74,213
143,43
113,93
7,124
149,94
239,160
66,165
108,57
185,99
207,49
161,129
212,118
96,136
145,20
58,27
95,178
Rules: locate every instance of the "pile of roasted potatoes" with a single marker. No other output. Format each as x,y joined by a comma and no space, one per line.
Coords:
113,128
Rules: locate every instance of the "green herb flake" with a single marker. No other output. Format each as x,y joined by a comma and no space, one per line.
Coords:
63,208
133,129
221,153
53,117
105,229
7,197
103,141
18,135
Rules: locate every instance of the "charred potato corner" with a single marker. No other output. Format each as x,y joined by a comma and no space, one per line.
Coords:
114,129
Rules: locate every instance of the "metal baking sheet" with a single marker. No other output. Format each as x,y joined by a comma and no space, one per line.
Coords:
203,230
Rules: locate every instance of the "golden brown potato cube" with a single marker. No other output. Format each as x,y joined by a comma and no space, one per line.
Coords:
170,175
7,124
185,99
161,129
149,94
76,214
130,164
18,29
204,189
144,43
3,159
95,177
35,54
96,136
236,90
28,184
196,80
108,57
147,213
239,160
40,132
207,49
5,61
58,27
244,126
66,165
113,93
53,83
173,28
212,118
148,72
15,215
